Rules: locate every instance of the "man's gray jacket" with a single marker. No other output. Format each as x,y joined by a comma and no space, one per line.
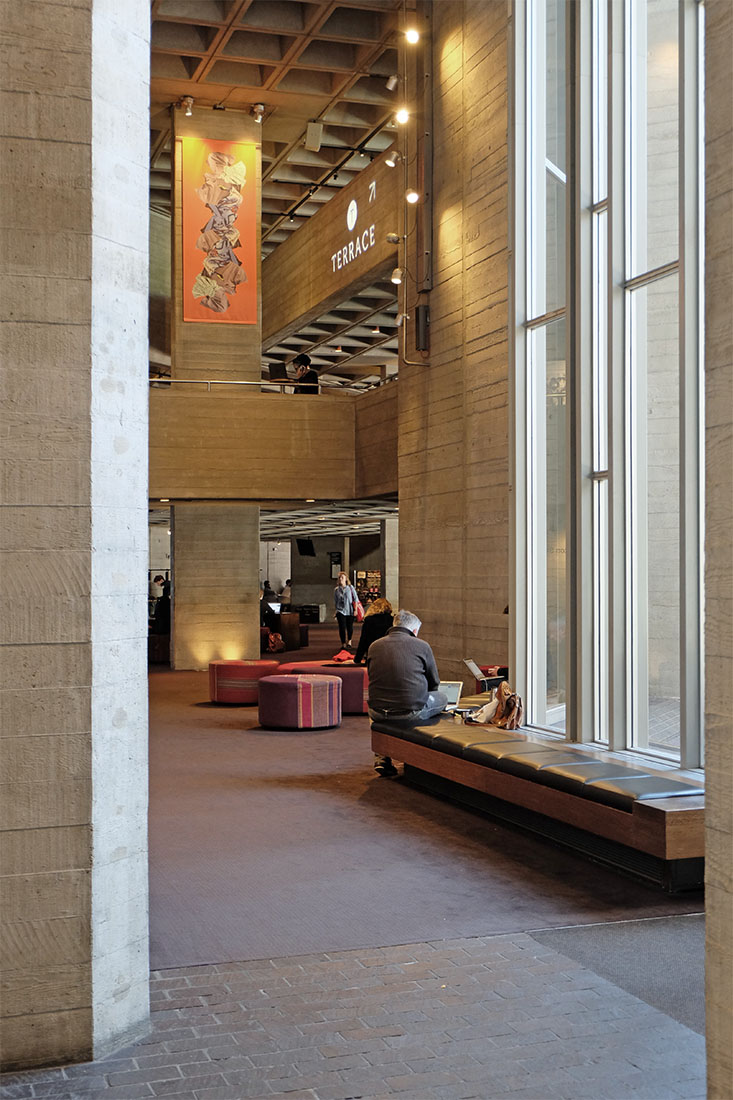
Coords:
402,670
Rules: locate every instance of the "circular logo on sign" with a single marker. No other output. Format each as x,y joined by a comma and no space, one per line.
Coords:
351,214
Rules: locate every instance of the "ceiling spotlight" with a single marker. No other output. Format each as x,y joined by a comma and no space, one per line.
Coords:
291,218
393,158
412,35
258,111
187,102
393,238
401,318
377,332
411,196
310,500
397,275
402,116
392,82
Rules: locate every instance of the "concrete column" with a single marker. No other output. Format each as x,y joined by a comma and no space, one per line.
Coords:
216,592
390,564
74,187
718,543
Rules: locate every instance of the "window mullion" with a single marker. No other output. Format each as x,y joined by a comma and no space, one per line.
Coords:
691,389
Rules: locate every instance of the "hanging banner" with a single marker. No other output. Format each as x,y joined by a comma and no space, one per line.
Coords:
219,193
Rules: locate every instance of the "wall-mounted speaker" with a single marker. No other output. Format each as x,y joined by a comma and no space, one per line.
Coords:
313,135
306,549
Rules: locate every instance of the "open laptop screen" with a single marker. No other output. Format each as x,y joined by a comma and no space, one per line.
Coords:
452,690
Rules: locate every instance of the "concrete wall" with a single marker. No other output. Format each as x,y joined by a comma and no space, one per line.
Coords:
74,187
453,413
718,544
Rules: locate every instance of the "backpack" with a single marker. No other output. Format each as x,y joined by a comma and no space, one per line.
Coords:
275,643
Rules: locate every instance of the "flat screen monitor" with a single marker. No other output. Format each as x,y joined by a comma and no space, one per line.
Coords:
306,549
278,372
275,607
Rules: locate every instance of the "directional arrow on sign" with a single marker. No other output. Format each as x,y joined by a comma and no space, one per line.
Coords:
372,190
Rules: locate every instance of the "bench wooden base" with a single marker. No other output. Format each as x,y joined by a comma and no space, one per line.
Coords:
669,831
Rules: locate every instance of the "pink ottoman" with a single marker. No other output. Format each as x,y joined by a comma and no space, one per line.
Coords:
354,680
300,702
237,681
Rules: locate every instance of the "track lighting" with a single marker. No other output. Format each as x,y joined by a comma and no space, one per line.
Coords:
402,116
411,196
187,102
392,82
258,111
397,275
393,158
412,35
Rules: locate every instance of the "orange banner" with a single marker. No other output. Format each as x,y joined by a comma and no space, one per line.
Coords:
219,185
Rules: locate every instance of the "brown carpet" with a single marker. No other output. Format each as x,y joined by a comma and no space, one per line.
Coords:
269,844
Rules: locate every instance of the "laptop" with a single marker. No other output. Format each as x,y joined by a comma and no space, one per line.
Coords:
452,689
487,682
275,607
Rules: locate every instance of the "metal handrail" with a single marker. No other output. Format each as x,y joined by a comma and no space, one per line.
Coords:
209,382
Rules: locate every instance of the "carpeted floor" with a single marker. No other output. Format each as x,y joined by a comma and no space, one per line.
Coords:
270,844
661,961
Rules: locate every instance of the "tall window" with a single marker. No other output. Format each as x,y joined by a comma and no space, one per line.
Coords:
607,379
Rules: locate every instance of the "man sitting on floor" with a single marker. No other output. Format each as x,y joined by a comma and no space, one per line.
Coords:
403,680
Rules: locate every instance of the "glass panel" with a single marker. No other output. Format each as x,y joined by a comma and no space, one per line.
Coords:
600,341
555,155
549,523
653,49
656,510
601,574
600,100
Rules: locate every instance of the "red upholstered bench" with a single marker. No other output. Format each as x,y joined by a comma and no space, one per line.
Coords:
237,681
300,702
353,677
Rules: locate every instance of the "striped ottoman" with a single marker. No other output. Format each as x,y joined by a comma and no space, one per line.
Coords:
300,702
354,679
237,681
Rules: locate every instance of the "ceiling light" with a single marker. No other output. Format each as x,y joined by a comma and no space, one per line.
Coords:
393,238
310,500
258,111
411,196
165,500
187,102
401,318
412,35
377,331
402,116
393,158
397,275
392,82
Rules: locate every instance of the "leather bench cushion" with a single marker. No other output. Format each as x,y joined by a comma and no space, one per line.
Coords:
572,777
418,735
531,764
490,752
622,793
456,739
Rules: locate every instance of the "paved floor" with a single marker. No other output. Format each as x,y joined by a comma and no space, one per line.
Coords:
483,1018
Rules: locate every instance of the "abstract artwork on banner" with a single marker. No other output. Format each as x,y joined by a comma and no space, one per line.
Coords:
219,185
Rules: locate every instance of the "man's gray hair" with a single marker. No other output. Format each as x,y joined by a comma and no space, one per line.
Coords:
407,619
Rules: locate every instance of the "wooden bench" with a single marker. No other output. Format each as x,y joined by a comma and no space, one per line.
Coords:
633,815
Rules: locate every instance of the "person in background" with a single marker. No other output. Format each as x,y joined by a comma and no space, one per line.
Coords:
403,680
305,374
377,621
268,593
286,593
344,598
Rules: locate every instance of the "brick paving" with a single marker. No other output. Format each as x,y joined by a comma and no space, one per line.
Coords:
470,1019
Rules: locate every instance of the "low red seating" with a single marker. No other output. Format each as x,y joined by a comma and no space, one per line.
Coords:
353,677
237,681
300,702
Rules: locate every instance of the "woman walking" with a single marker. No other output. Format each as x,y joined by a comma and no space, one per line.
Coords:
344,598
